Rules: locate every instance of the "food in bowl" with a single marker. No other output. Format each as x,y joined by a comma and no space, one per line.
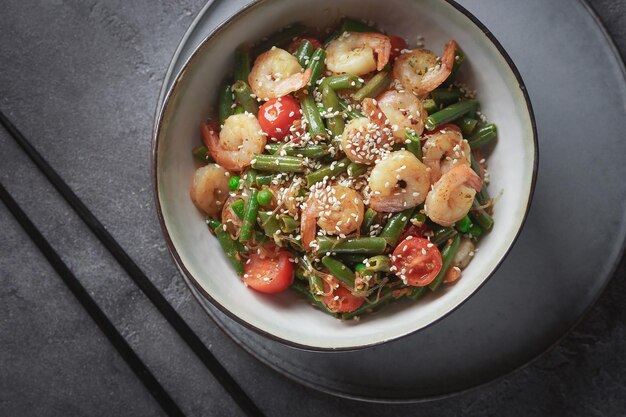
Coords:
350,171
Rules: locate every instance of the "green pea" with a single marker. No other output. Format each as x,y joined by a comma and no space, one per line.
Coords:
233,182
264,197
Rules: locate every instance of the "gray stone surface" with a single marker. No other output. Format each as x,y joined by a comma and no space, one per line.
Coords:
81,79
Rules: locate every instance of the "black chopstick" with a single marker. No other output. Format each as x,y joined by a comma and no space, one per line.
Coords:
137,275
91,307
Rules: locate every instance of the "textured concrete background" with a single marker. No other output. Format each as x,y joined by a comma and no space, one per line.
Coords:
80,78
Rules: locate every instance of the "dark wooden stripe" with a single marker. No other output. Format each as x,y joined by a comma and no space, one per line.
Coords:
117,340
137,275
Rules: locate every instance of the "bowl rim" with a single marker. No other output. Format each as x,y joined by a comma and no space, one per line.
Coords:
158,125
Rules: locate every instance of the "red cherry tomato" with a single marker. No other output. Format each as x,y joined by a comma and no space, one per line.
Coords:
445,126
417,260
269,275
341,300
277,115
397,44
295,44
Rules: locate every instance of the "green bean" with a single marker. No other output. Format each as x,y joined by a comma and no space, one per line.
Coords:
312,115
265,179
228,246
201,153
446,96
287,223
442,235
239,110
238,207
459,57
280,38
447,255
430,106
362,245
483,195
413,144
380,263
304,52
269,223
349,111
395,225
242,64
483,136
418,218
250,178
342,82
481,217
276,163
242,93
315,151
226,101
463,225
249,217
355,169
329,171
376,85
339,271
316,283
467,125
475,231
416,292
368,220
316,64
450,113
331,104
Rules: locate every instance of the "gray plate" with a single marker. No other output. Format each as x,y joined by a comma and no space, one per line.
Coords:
567,252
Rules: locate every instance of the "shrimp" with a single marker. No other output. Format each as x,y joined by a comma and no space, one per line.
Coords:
443,150
404,112
240,138
451,197
420,71
209,189
461,259
358,53
276,73
366,139
337,210
398,182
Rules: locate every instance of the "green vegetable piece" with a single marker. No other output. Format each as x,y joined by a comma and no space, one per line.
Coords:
395,225
225,104
368,220
264,197
243,95
304,52
312,115
447,254
242,64
430,106
342,82
339,271
446,96
355,169
331,105
483,136
238,207
361,245
233,182
229,247
467,125
413,144
249,217
376,85
450,113
335,168
463,225
274,163
201,153
316,64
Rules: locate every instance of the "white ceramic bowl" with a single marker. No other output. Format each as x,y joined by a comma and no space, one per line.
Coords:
286,317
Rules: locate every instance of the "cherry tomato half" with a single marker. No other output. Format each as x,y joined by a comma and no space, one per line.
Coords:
277,115
397,44
295,44
418,260
445,126
341,300
269,275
